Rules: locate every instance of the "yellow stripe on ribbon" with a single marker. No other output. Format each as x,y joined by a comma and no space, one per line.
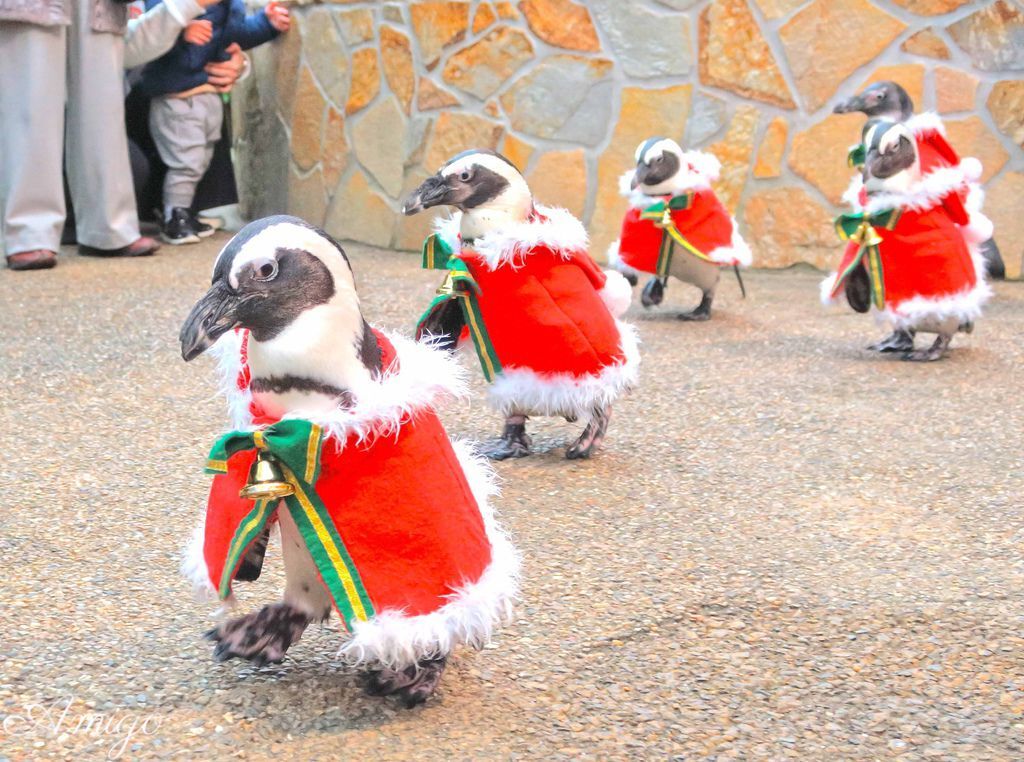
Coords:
312,452
217,465
250,525
479,334
258,440
332,550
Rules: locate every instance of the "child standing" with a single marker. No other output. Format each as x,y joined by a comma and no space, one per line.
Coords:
186,112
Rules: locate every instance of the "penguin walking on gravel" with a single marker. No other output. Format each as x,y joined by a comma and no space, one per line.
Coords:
910,255
938,160
676,225
382,518
542,316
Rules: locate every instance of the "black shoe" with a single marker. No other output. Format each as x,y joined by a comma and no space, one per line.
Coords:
179,229
202,229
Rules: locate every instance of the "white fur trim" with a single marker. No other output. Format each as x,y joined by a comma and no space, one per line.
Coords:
228,353
852,194
425,375
972,169
615,261
980,228
521,390
826,290
924,194
922,124
617,293
557,229
193,564
737,252
394,640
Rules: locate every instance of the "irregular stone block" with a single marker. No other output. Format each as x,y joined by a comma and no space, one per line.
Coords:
306,196
955,90
430,96
786,226
566,97
1006,103
335,154
829,40
483,67
645,44
517,151
358,213
562,23
261,153
930,7
926,43
819,154
365,80
325,55
356,26
735,56
643,113
485,16
707,118
506,11
559,178
455,132
735,152
1002,205
908,76
399,69
438,25
970,137
378,139
307,121
993,37
769,155
776,9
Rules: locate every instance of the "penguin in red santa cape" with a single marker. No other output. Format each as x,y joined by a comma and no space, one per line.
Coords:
542,316
336,441
676,225
911,254
939,163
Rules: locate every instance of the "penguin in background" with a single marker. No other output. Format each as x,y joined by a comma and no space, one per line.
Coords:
541,315
383,519
910,256
676,226
889,101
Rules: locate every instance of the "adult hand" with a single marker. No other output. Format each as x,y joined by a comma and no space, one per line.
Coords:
278,16
198,32
223,74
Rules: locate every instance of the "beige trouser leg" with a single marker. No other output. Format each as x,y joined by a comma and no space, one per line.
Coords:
99,171
31,136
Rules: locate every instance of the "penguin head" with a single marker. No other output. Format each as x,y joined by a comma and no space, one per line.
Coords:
659,165
484,185
892,160
274,271
886,100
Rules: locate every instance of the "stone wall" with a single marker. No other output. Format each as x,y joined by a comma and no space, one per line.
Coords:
362,100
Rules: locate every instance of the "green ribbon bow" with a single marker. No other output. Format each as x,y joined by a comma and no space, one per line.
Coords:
862,229
857,156
296,444
460,284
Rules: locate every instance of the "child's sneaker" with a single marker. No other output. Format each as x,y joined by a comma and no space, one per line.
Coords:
178,229
203,229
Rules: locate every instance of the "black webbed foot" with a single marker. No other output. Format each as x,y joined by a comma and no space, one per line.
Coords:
592,437
701,312
935,352
514,443
898,341
413,685
653,293
631,278
262,637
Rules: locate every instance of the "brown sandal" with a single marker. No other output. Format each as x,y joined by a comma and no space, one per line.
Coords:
37,259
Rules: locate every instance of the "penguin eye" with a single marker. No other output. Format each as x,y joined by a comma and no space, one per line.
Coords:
264,269
466,174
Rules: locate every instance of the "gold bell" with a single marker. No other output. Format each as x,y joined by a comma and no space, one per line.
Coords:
868,236
266,482
447,288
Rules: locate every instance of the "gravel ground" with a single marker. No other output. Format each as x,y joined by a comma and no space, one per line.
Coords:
788,549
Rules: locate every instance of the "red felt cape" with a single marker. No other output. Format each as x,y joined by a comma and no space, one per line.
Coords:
706,224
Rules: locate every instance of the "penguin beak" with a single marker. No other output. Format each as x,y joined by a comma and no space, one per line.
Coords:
640,175
850,105
433,192
213,316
